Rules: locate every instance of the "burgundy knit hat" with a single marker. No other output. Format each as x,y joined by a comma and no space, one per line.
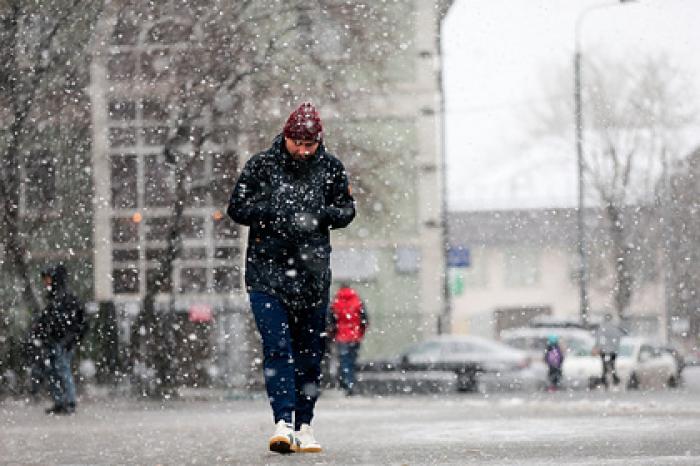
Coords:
304,123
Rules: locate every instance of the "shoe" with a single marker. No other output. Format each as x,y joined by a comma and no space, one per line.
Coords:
282,441
70,409
305,441
55,410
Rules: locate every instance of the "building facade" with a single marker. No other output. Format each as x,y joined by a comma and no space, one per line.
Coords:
523,264
394,259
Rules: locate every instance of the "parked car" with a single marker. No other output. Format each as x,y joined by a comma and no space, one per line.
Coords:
643,364
581,368
473,359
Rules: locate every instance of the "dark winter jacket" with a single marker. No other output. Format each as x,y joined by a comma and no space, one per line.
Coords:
63,320
348,317
290,206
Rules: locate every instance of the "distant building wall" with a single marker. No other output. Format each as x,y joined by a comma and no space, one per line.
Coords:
526,260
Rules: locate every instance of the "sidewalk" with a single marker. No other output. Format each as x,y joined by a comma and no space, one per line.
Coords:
563,428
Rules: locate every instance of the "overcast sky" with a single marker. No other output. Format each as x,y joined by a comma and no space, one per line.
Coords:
496,53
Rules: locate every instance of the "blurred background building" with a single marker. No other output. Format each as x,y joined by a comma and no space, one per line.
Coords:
153,153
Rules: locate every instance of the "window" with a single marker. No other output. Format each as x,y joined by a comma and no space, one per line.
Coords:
158,184
407,259
193,253
121,66
157,228
125,32
122,110
155,254
155,64
227,279
155,136
124,230
193,280
124,172
223,252
125,255
120,137
192,227
39,181
224,228
125,280
161,284
154,109
169,32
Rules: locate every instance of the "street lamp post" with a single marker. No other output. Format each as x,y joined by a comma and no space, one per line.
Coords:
580,165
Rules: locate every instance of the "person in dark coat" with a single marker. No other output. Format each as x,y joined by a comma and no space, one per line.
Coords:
60,327
290,196
349,323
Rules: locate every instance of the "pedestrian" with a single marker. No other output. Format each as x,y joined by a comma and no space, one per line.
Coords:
60,327
290,196
607,341
554,358
348,326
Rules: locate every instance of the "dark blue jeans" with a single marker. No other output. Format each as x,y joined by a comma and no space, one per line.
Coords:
293,346
347,355
61,383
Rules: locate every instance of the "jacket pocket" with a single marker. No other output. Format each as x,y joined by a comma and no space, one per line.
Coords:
316,256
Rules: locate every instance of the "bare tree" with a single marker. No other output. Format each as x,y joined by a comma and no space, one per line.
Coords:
42,74
634,115
685,237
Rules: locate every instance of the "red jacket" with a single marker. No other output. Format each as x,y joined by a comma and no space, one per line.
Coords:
349,316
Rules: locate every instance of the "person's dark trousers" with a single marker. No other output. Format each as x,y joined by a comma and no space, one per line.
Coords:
347,355
609,366
37,374
554,377
293,346
61,383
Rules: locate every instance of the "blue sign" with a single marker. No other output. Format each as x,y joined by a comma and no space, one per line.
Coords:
458,256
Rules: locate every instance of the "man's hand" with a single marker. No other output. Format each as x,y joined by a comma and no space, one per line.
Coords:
306,222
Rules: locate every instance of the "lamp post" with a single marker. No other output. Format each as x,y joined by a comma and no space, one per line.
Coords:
580,165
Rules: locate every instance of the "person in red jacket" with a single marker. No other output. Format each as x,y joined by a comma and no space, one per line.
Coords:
348,326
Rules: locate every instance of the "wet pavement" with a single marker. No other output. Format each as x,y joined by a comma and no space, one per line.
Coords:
630,428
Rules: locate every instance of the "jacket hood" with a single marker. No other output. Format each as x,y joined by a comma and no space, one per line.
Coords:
346,294
58,276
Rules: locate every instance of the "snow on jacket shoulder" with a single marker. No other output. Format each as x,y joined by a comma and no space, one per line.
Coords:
290,206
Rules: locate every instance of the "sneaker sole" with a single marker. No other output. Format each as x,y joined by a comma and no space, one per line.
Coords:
307,449
280,445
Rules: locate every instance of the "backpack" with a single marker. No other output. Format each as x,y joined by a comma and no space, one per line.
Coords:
553,357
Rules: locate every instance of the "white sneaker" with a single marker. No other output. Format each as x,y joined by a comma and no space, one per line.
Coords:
305,441
282,441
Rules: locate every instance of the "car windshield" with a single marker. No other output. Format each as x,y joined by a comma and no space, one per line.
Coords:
579,347
626,350
428,348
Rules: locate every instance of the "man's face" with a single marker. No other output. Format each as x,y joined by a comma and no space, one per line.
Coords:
47,281
300,149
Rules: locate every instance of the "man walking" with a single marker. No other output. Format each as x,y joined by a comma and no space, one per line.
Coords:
290,196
